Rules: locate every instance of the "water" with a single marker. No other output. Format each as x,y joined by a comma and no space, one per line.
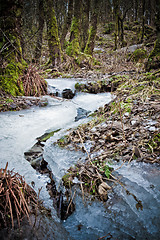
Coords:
122,216
118,217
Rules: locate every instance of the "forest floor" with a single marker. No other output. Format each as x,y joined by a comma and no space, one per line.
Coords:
127,129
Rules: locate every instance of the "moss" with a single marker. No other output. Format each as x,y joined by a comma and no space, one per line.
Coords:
9,100
10,76
109,28
46,136
92,34
77,86
137,89
63,141
73,47
154,57
67,182
154,143
52,34
139,55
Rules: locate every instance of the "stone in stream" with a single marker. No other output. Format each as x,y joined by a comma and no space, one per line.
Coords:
81,113
37,149
67,93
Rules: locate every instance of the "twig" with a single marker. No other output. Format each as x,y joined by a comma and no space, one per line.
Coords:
124,137
70,202
85,148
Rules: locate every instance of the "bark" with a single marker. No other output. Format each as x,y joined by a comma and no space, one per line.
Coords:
136,10
93,30
154,57
116,13
67,22
143,20
74,46
119,22
11,60
85,23
10,25
38,48
52,34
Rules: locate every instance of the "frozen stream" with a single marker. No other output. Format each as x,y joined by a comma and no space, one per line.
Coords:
118,218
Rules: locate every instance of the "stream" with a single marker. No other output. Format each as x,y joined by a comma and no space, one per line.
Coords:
120,217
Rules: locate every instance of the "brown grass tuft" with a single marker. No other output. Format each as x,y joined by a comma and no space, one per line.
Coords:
16,198
33,83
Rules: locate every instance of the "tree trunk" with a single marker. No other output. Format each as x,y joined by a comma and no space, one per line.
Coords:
93,30
38,48
143,20
52,35
11,60
85,23
67,22
74,47
154,57
116,13
136,10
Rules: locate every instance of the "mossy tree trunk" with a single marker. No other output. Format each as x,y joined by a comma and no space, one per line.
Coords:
74,47
85,23
116,13
38,48
119,22
11,60
143,20
67,22
154,57
135,10
52,34
93,29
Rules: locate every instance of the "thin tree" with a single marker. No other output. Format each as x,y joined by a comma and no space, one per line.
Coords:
74,47
52,34
155,54
93,29
38,48
85,23
67,22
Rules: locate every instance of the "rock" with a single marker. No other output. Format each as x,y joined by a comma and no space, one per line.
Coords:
81,113
103,187
130,49
102,190
36,163
133,122
137,152
36,149
43,103
126,114
152,129
67,93
28,103
39,163
13,106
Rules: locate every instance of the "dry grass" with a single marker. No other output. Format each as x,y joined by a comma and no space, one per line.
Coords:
16,198
33,83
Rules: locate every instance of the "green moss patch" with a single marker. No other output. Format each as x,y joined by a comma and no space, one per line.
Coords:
46,136
9,79
139,55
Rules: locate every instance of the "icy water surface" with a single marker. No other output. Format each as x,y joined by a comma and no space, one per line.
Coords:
121,217
134,214
19,130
